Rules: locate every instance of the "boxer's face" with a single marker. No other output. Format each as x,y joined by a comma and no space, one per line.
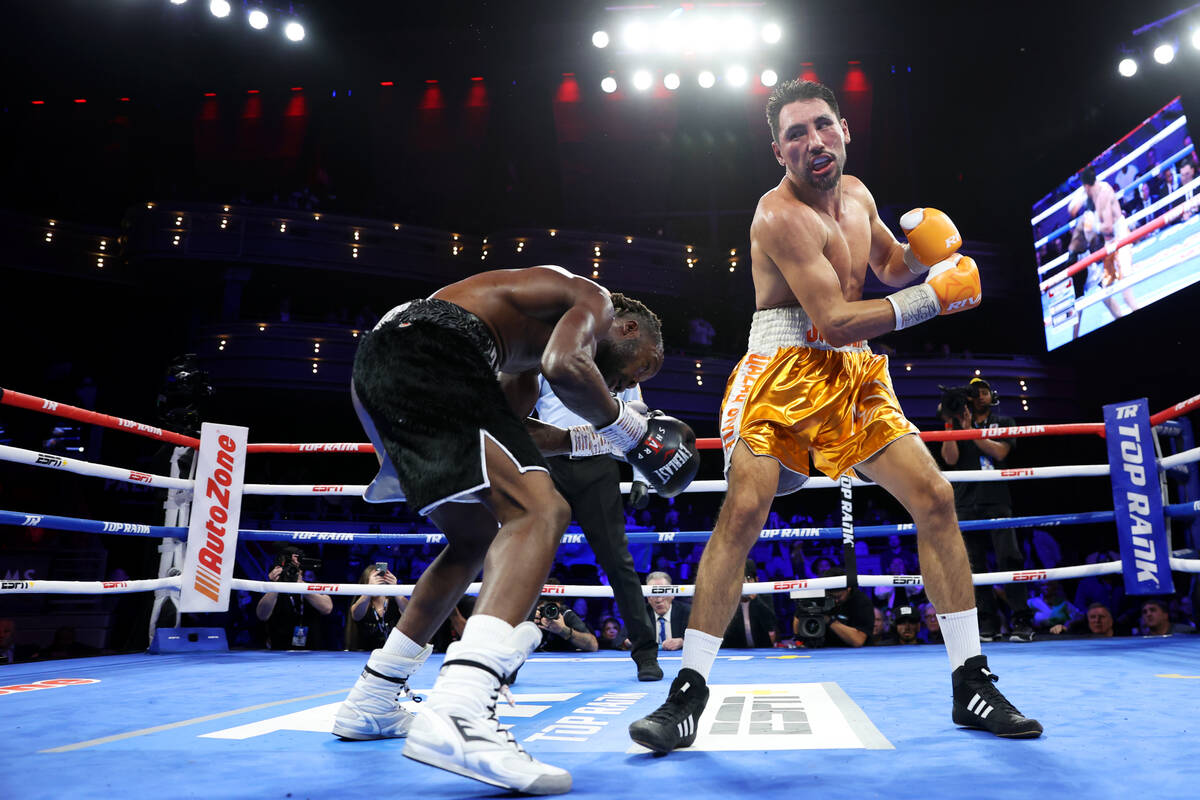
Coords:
812,143
627,360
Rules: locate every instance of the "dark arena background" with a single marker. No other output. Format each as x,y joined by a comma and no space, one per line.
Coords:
205,205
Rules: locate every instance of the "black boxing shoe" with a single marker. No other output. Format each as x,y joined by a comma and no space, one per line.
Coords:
675,722
647,666
979,704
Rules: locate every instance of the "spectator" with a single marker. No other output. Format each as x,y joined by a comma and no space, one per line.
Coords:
1098,623
293,623
612,635
1156,620
1053,607
896,549
562,629
1187,174
906,627
880,631
1108,590
931,631
372,617
986,500
592,487
891,597
753,623
670,619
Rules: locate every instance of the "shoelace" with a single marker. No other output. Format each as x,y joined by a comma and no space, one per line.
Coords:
495,718
406,693
992,695
666,712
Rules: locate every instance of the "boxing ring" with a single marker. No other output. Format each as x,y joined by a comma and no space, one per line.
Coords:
870,722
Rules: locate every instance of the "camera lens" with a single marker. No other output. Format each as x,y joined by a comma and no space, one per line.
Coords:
811,627
550,611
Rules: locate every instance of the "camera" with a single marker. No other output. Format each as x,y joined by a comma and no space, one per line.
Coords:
549,610
954,400
811,619
292,571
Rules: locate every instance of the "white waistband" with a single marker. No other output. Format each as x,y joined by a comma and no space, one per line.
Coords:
790,326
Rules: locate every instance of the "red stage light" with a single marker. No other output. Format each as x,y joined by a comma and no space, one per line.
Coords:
124,99
387,83
297,88
431,80
210,94
476,79
80,99
252,91
39,102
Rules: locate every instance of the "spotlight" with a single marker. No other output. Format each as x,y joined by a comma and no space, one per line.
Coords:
1128,67
1196,38
735,76
671,81
294,31
642,79
178,2
1164,53
637,36
258,19
739,34
219,8
600,39
609,84
706,79
771,33
769,77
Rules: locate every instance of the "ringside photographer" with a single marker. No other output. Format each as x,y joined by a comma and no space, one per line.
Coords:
842,618
562,629
294,621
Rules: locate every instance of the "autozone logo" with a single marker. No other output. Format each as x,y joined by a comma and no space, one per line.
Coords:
1015,473
115,585
1032,575
52,683
784,585
141,477
45,459
209,560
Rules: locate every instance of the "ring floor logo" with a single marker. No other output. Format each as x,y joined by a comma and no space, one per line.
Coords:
777,716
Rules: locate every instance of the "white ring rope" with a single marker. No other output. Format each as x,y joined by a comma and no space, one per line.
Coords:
19,586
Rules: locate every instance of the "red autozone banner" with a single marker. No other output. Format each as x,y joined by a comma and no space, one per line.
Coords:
216,510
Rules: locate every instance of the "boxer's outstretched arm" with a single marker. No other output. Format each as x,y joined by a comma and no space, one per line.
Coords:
568,362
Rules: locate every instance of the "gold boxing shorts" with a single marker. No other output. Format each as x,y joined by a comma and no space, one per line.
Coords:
793,394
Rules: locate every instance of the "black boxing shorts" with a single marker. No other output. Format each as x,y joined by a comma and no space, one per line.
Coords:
425,388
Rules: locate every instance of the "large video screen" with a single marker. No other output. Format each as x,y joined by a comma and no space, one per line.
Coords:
1122,233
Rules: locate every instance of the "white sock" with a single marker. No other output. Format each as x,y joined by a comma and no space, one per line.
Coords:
484,630
398,644
960,631
699,651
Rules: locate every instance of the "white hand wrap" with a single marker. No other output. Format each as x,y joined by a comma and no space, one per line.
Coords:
587,441
627,429
910,261
914,305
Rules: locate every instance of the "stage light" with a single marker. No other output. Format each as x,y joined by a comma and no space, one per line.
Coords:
294,31
258,19
178,2
600,39
735,76
1196,38
642,79
219,8
771,33
1128,67
706,36
609,84
671,81
1164,53
739,34
637,36
706,79
769,77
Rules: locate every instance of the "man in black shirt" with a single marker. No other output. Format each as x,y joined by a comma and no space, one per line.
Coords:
293,620
988,500
850,621
562,629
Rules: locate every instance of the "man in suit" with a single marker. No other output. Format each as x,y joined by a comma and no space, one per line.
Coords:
753,623
670,619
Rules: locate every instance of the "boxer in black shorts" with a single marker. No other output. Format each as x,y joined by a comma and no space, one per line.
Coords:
443,387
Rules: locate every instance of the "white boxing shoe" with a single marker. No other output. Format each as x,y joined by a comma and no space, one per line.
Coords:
372,710
458,730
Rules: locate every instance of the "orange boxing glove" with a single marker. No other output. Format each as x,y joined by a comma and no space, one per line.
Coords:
932,238
951,286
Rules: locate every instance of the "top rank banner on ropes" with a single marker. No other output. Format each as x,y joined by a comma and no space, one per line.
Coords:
216,511
1137,498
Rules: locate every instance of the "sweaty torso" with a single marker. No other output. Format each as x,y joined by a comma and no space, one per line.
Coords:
1108,206
845,237
519,307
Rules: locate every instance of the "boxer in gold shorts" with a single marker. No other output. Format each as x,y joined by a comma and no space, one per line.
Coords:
810,387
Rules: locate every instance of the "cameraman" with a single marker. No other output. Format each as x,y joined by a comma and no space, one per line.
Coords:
293,623
969,407
846,616
562,629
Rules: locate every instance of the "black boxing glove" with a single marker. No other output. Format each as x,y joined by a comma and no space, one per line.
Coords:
666,456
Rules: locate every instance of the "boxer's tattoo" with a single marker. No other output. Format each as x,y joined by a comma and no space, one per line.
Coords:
914,305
